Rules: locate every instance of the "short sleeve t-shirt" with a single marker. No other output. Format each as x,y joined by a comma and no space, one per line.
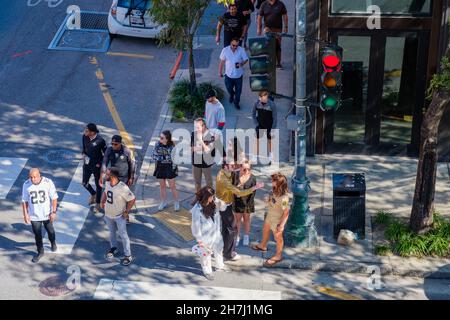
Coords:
273,14
233,25
231,58
116,199
39,198
214,115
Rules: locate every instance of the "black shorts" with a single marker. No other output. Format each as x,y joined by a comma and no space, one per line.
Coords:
267,131
165,171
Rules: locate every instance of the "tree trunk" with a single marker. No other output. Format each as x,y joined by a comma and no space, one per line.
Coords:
423,204
192,77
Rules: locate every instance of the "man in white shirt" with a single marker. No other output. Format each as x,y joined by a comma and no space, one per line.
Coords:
234,58
39,202
117,200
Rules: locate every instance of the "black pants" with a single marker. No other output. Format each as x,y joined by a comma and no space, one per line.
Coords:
234,88
37,230
87,173
229,232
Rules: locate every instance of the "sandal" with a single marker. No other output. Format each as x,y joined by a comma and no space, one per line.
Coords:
271,262
258,248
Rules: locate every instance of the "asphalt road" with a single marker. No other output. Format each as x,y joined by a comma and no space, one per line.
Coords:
46,98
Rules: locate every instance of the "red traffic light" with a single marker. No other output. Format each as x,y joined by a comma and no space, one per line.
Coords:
331,61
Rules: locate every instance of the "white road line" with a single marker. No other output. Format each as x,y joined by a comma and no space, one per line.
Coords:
10,169
72,213
133,290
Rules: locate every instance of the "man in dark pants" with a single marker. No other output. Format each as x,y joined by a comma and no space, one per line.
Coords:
275,18
235,26
120,157
39,202
94,147
225,192
234,58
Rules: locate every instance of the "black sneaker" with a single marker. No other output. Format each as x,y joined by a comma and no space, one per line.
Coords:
54,247
237,106
127,260
37,257
111,253
231,100
280,66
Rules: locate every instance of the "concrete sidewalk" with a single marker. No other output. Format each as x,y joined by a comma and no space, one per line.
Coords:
390,186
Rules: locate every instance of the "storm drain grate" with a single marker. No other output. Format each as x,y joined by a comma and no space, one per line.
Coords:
93,35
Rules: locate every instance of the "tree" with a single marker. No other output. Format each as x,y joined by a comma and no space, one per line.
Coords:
421,219
182,19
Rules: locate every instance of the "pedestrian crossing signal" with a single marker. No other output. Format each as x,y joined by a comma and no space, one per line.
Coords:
331,78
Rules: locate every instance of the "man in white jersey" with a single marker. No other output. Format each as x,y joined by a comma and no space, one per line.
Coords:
39,201
117,200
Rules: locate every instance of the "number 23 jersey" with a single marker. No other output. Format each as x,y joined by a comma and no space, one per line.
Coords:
39,198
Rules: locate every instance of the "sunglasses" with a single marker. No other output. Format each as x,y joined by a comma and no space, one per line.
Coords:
234,45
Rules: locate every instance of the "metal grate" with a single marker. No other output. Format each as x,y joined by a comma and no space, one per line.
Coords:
93,35
94,21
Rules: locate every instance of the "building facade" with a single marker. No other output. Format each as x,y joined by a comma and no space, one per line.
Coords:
388,61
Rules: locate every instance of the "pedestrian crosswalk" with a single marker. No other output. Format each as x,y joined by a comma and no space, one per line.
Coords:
10,169
72,212
134,290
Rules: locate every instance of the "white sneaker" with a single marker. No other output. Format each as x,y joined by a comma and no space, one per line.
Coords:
246,241
209,276
177,206
162,205
238,239
236,257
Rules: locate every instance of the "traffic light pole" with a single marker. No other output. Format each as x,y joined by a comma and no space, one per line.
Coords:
300,230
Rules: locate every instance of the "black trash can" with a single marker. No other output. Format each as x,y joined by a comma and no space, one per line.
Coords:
349,203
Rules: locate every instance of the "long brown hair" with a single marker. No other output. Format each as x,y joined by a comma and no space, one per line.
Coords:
202,197
168,136
281,185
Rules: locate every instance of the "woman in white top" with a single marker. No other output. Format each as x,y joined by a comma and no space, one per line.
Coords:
206,228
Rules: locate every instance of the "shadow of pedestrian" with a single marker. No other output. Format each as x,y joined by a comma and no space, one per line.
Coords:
436,286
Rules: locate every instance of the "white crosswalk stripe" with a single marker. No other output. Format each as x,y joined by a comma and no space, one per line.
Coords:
133,290
10,168
72,213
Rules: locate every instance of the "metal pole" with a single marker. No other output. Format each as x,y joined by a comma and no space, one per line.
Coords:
300,231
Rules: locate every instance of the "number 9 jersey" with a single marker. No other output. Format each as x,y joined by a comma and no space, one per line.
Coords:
39,198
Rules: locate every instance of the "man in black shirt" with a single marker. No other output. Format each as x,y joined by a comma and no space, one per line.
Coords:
120,157
275,18
94,147
246,7
235,26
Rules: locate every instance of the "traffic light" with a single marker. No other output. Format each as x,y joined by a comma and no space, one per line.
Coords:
331,78
263,64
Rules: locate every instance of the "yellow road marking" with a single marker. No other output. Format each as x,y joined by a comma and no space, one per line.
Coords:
179,222
336,293
111,106
130,55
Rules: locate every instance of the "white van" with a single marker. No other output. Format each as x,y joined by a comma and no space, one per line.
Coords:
131,18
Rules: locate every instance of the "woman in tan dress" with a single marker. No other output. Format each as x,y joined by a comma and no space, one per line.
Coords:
277,216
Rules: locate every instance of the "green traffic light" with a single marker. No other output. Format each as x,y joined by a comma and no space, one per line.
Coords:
330,102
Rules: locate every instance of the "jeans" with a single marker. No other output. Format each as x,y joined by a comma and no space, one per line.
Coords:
234,88
118,224
87,173
37,230
229,232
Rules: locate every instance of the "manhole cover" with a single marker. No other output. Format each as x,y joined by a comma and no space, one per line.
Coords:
83,40
54,287
59,156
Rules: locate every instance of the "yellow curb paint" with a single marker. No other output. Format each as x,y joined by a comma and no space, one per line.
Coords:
336,293
130,55
111,106
179,222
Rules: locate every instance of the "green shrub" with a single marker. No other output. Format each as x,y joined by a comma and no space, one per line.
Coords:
437,245
396,229
186,106
383,217
409,244
382,249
